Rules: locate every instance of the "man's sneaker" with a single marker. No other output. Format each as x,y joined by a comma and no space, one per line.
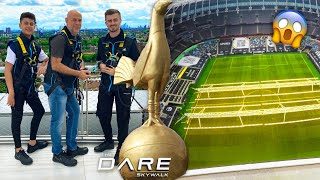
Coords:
38,145
78,151
64,159
23,157
104,146
116,157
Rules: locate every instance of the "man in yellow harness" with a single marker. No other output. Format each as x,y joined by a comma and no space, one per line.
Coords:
110,49
64,69
23,56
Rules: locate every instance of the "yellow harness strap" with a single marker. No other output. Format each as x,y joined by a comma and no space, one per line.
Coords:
121,43
23,48
24,51
71,43
64,32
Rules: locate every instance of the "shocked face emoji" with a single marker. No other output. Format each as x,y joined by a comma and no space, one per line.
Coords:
289,28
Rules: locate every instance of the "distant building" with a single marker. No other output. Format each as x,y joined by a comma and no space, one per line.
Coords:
8,30
125,26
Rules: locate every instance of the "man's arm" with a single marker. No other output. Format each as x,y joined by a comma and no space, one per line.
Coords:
101,65
103,68
63,69
9,82
43,60
10,61
57,52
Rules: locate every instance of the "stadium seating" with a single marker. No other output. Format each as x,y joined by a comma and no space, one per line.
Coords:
249,29
219,32
233,18
265,29
233,30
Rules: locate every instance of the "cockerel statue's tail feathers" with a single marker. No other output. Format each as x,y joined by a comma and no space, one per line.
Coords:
124,71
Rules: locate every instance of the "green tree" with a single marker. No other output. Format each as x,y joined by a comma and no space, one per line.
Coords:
94,41
43,42
89,57
85,42
3,46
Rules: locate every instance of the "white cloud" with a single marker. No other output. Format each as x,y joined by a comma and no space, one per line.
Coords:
11,1
51,3
144,17
131,6
51,13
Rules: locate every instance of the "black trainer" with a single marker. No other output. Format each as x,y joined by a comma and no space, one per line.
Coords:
116,157
78,151
23,157
38,145
104,146
64,159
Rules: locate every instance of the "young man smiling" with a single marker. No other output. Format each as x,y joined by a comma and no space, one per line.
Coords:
110,49
23,56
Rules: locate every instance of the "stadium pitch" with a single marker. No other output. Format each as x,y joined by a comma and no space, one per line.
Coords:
252,108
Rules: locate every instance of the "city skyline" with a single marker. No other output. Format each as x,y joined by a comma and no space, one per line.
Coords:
51,14
9,30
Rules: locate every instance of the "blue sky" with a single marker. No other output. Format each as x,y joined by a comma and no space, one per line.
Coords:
50,14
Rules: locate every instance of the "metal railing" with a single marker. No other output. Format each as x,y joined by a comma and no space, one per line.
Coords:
89,128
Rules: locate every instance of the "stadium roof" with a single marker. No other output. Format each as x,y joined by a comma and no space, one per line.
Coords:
218,4
182,10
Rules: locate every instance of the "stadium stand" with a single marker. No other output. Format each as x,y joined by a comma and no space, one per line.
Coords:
266,16
249,29
205,34
233,18
219,31
265,29
234,30
248,17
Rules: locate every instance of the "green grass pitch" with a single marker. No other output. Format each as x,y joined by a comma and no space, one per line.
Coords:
261,132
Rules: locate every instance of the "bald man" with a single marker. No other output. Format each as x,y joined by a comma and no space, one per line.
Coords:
65,67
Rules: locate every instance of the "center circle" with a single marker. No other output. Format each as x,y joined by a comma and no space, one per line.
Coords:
261,99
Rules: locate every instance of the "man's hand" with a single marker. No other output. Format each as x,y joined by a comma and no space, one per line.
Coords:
110,71
107,70
84,74
11,100
42,70
103,68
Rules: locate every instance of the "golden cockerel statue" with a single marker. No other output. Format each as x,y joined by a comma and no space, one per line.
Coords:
152,69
